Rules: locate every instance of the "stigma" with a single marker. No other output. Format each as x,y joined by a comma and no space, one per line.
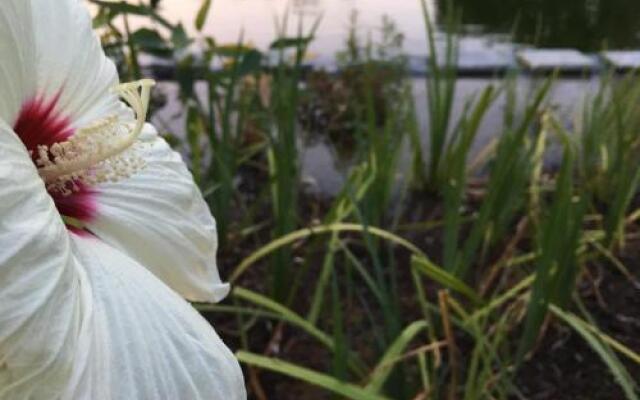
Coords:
105,151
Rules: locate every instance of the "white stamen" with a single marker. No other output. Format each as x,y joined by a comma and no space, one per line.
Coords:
101,152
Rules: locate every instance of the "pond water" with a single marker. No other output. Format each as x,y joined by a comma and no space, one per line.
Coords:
324,170
588,25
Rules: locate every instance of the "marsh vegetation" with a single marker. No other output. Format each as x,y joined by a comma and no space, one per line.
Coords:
436,272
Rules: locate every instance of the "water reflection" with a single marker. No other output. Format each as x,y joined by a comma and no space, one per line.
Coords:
254,19
325,170
583,24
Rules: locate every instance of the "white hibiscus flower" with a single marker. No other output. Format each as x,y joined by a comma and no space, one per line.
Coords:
96,249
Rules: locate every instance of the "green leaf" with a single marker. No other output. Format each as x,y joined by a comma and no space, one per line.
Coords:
318,379
185,76
180,38
102,18
201,18
195,129
250,63
443,277
626,382
232,50
558,242
123,7
390,358
287,314
296,320
318,230
150,41
296,42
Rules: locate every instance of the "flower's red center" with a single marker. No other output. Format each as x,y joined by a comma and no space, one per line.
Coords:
41,124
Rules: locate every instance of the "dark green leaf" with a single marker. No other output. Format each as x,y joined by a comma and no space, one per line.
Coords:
150,41
232,50
179,38
250,63
284,43
123,7
201,18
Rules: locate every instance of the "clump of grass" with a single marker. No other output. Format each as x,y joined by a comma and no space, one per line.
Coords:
282,152
609,144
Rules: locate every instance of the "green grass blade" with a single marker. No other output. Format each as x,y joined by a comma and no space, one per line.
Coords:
203,12
385,366
286,313
359,181
314,378
446,279
626,382
319,230
454,184
508,296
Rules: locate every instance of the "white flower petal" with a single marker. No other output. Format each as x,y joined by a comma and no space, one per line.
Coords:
81,320
145,341
50,52
71,63
72,68
40,293
17,53
159,218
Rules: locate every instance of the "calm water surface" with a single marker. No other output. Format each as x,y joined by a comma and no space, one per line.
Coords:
255,19
587,25
325,172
